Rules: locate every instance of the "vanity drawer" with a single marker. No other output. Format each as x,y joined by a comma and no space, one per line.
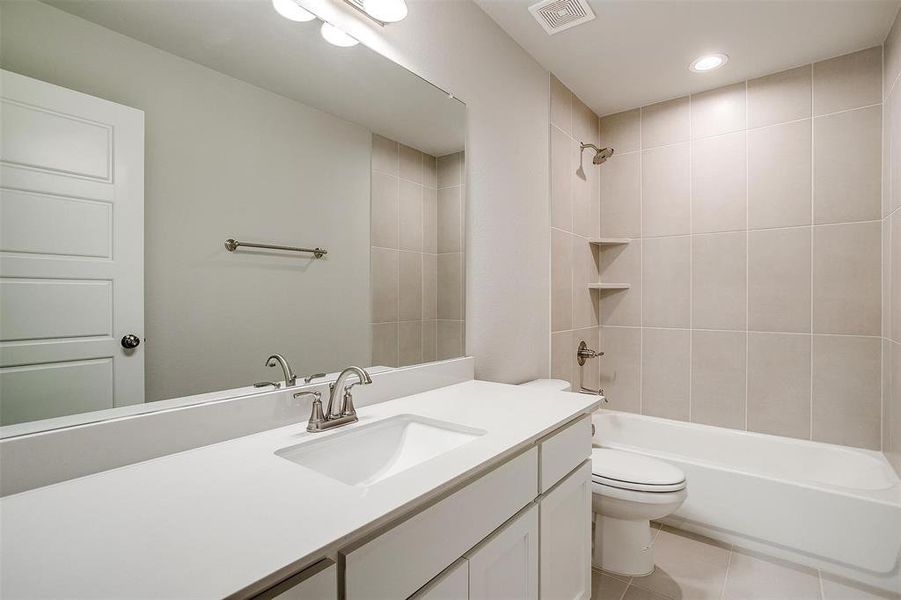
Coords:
318,582
563,450
403,559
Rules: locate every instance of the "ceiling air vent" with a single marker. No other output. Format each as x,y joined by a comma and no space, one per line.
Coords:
559,15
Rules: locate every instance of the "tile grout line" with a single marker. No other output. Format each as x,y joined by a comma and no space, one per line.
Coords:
726,576
691,257
747,263
810,249
641,264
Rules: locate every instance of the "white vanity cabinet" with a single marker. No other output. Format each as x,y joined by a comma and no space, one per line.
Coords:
506,564
453,584
318,582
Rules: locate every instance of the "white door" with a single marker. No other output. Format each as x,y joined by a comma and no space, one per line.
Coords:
71,251
565,516
505,565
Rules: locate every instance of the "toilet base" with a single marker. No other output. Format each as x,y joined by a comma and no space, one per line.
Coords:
622,546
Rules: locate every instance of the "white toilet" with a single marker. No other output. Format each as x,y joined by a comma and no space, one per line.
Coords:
628,491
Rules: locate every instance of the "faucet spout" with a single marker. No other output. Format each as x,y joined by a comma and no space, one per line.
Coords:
278,359
340,401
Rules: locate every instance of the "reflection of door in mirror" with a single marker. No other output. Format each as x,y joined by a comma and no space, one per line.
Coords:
72,243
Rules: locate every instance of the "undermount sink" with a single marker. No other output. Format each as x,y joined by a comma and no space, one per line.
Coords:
368,454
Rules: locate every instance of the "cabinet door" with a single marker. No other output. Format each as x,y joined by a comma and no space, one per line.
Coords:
566,538
452,584
319,582
505,565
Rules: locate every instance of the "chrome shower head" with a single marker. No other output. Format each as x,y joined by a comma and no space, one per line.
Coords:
600,154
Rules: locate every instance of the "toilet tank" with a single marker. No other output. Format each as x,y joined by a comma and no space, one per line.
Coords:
556,385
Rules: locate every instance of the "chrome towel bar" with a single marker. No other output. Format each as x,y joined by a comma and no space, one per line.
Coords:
231,245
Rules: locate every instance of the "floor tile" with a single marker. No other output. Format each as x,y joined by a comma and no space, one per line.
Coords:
637,593
835,590
685,577
751,577
674,545
605,587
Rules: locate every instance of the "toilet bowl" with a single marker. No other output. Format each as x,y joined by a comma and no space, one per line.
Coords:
628,491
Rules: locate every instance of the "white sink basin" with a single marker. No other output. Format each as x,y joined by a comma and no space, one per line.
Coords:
372,453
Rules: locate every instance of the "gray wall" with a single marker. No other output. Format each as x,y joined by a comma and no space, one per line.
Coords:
224,159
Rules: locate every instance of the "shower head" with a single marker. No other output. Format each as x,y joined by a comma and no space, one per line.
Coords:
600,154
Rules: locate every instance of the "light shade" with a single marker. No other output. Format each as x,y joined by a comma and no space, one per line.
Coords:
291,11
335,36
387,11
708,62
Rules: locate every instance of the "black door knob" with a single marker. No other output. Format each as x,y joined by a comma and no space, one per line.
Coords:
131,341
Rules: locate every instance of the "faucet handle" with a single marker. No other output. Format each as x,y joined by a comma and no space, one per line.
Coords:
310,378
349,410
316,416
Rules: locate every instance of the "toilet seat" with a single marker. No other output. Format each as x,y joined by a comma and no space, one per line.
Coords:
634,472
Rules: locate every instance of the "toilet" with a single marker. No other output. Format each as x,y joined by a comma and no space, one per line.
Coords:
629,490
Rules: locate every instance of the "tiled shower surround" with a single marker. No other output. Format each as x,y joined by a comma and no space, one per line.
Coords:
416,255
755,219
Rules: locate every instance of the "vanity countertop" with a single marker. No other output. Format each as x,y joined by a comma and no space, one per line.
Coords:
213,521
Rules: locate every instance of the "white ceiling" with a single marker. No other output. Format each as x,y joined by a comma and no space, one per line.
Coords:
637,52
248,40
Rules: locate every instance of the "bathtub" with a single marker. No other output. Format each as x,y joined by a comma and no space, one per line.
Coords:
829,507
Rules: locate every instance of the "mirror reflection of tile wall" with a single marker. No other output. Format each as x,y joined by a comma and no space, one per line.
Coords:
417,255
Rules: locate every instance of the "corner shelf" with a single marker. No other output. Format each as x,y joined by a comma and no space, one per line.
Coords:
609,286
608,241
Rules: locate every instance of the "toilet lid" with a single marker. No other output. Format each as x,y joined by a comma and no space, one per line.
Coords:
631,471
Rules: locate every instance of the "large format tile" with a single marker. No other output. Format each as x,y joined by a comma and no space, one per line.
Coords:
754,578
450,170
383,228
561,105
585,123
384,155
896,276
665,369
606,587
409,343
719,281
719,183
409,163
450,286
666,282
779,280
620,368
430,220
561,281
585,196
718,111
584,271
779,164
429,341
562,176
835,589
779,384
621,264
450,339
561,356
409,216
847,159
384,273
665,191
384,344
620,181
847,390
450,215
780,97
409,286
848,81
686,567
621,131
429,286
665,123
847,271
718,360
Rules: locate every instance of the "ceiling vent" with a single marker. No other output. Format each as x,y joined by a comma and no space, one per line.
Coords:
559,15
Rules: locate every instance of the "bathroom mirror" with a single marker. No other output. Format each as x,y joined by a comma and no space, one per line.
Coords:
139,137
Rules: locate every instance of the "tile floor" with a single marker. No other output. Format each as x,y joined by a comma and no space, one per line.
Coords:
690,567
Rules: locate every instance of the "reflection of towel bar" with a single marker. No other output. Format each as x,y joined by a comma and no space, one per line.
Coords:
232,245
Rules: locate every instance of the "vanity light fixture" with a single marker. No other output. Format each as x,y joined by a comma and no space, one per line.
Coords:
292,11
334,35
386,11
708,62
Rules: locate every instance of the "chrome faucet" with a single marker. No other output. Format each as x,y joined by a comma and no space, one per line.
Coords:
290,377
338,412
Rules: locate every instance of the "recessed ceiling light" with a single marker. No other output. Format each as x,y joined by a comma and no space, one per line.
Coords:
291,11
708,62
387,11
336,36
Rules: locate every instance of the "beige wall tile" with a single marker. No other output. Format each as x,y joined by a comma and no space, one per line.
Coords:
562,177
718,360
894,423
450,339
450,286
384,285
429,220
718,111
896,276
847,279
409,163
719,281
665,123
894,114
590,370
620,179
620,368
779,97
561,280
752,578
621,264
665,369
889,406
450,170
886,278
585,123
719,183
429,171
892,56
409,216
384,155
848,81
666,282
384,211
409,343
429,341
847,159
561,358
779,165
665,196
779,280
621,131
585,197
779,384
409,294
584,271
384,344
450,215
561,105
847,390
429,286
886,159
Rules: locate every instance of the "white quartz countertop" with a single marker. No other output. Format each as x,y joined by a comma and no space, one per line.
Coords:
212,521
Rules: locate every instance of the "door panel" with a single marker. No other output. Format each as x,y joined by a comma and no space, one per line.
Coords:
36,309
505,566
55,396
565,515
